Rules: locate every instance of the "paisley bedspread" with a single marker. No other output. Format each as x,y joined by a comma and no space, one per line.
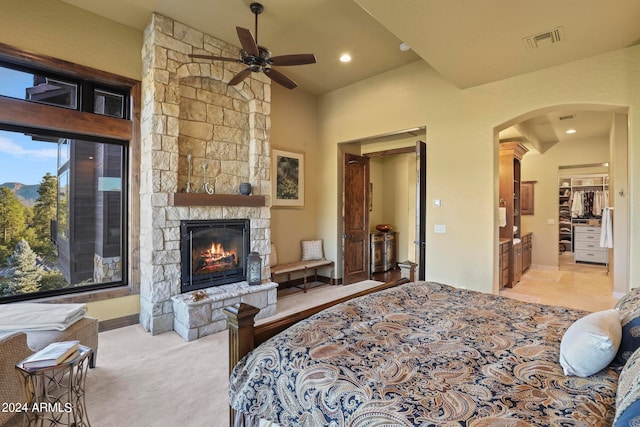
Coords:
423,354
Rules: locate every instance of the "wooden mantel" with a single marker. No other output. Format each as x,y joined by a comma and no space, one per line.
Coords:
202,199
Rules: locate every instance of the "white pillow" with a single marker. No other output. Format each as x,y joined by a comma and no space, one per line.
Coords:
312,250
591,343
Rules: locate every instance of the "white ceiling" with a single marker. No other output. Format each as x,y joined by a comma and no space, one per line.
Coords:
543,131
469,42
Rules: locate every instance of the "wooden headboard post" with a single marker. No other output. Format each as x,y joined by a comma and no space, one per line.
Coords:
240,322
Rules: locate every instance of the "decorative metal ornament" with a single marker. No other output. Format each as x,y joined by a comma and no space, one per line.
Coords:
189,184
206,187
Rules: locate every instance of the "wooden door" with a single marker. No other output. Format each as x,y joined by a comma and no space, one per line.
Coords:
355,219
421,209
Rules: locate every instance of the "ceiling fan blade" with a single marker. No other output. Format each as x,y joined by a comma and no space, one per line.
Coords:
215,58
299,59
247,41
280,78
240,77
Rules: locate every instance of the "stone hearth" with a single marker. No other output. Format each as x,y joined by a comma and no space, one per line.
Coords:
195,319
191,116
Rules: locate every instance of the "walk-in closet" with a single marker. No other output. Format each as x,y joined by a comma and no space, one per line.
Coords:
583,234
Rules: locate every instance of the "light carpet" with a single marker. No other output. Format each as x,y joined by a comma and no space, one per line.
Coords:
142,380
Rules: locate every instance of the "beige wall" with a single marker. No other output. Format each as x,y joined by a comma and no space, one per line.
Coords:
543,168
294,127
57,29
114,308
394,183
462,147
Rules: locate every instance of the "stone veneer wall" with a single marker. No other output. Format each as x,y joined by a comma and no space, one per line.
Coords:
187,108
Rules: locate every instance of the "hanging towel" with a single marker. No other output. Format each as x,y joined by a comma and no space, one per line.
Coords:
606,229
502,214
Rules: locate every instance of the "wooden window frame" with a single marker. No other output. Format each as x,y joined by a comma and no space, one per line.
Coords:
17,114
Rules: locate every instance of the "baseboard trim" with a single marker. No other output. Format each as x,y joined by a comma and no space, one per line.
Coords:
119,322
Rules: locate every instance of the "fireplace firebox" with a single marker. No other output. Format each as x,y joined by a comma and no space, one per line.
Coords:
213,252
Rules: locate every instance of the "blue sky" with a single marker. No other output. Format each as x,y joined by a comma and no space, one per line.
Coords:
21,159
26,161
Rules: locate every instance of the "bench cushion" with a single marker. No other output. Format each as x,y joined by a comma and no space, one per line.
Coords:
298,266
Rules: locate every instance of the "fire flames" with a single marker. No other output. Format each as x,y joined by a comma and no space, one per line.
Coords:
216,258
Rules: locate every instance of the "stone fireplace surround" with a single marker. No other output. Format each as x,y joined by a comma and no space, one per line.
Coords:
187,108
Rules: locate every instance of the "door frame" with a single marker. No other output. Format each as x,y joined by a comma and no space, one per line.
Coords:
418,134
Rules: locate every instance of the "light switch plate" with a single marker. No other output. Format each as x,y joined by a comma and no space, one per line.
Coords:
437,203
440,228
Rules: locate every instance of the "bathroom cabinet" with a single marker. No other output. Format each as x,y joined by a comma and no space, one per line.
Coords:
510,198
527,197
527,251
504,262
517,263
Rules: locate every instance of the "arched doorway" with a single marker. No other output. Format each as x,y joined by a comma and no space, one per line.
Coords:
601,141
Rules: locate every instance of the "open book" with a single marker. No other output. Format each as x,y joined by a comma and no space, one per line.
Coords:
53,354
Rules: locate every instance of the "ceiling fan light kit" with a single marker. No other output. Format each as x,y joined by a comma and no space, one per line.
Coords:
258,58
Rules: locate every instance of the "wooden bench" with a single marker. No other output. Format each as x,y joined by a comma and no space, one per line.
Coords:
301,266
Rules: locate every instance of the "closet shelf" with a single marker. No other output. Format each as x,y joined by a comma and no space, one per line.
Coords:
574,185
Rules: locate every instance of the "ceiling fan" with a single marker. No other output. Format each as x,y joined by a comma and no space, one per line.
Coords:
258,58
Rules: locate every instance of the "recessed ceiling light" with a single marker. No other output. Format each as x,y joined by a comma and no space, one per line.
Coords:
345,57
571,131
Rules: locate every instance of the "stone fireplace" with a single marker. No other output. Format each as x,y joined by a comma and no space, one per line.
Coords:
198,134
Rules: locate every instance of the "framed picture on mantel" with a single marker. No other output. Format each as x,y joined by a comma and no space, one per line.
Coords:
287,172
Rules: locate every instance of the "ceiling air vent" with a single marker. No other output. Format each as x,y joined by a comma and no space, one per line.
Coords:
545,39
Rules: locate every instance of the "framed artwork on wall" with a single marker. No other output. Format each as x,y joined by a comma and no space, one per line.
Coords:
287,174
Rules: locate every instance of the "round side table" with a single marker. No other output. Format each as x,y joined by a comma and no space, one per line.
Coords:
54,396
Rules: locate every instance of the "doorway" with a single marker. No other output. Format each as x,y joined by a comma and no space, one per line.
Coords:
583,194
391,196
555,154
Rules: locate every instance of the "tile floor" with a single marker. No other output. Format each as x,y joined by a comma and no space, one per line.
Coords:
575,285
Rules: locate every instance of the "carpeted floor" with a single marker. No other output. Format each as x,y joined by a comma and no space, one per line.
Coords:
143,380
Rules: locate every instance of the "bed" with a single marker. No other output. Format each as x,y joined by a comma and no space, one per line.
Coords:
419,353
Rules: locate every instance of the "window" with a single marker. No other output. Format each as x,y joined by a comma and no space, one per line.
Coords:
51,89
63,193
53,92
109,104
34,86
63,222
